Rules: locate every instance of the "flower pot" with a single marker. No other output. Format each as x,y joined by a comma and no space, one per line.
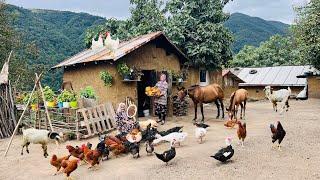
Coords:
51,104
126,77
60,105
34,107
146,113
74,104
66,104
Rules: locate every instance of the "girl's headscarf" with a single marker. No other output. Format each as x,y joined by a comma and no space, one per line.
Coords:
122,111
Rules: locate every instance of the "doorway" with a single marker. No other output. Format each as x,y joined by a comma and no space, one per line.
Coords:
149,78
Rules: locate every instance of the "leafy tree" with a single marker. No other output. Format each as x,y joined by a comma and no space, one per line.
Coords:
278,50
196,26
307,32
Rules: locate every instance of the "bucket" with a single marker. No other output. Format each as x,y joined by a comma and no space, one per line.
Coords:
66,105
74,104
60,105
51,104
34,107
146,113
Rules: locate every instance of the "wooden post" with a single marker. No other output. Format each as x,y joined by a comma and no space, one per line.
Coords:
16,128
45,105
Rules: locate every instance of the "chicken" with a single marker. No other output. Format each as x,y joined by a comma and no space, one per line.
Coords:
115,145
97,44
277,134
134,136
75,152
226,153
167,155
56,162
241,132
111,44
86,149
230,123
93,157
149,134
175,129
149,147
144,124
200,133
177,137
69,166
202,125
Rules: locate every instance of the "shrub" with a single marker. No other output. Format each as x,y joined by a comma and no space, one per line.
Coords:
88,92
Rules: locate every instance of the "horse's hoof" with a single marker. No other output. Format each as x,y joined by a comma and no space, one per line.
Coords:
28,151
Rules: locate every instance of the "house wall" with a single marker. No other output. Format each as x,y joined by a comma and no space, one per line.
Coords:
257,93
314,87
229,85
148,57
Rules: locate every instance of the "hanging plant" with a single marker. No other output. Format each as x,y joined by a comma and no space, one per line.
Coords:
88,92
123,69
106,78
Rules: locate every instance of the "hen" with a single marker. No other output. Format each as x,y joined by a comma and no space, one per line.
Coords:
56,162
169,131
226,153
75,151
242,132
277,134
111,44
69,166
167,155
115,145
93,157
230,123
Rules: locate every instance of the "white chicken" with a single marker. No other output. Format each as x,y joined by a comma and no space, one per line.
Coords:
200,133
97,44
176,137
111,44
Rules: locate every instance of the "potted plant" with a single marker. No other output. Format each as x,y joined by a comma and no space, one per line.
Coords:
60,101
65,97
73,100
49,96
124,70
88,97
137,73
106,78
33,101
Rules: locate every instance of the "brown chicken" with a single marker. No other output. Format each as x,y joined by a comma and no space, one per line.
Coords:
69,166
75,152
242,132
230,123
56,162
93,157
115,145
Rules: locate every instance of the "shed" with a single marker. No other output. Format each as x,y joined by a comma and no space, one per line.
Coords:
313,80
152,53
279,77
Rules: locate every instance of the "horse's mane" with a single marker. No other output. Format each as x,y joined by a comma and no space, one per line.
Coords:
193,87
232,101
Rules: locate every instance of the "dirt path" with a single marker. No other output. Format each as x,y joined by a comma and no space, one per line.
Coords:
298,160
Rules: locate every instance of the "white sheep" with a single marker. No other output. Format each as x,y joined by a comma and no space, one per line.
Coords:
38,136
281,96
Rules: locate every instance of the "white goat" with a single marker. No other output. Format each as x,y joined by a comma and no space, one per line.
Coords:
281,96
37,136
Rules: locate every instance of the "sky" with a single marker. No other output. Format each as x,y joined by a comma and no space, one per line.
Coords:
278,10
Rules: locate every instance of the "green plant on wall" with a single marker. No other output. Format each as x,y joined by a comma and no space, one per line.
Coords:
106,78
88,92
123,69
49,94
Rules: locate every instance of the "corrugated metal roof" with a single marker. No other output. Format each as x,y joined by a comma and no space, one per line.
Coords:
273,76
91,55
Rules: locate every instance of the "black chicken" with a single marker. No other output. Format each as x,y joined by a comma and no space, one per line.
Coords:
202,125
169,131
149,134
134,149
226,153
167,155
277,134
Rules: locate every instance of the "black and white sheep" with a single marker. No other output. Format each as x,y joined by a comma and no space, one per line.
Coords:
38,136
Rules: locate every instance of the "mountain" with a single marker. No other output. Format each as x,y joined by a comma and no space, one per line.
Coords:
57,34
249,30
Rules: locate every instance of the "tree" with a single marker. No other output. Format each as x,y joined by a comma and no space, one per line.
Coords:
196,26
307,32
278,50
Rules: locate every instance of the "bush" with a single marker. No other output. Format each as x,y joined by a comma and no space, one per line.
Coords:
106,78
88,92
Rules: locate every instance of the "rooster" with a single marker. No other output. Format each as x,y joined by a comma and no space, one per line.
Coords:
69,166
277,134
111,44
56,162
241,132
167,155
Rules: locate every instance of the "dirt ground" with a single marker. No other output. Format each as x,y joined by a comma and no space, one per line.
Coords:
298,160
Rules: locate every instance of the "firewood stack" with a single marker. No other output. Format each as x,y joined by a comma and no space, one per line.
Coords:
180,107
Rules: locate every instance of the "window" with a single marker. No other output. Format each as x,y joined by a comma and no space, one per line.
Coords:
203,76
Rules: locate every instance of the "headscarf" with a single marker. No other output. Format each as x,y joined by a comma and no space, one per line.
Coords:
122,111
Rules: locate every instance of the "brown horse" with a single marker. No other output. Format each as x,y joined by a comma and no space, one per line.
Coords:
200,95
239,97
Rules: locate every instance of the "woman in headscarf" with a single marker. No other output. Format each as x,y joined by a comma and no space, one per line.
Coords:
161,101
123,122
